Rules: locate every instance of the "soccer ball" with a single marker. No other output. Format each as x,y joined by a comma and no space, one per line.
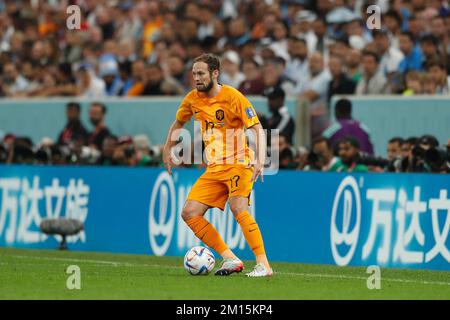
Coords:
199,260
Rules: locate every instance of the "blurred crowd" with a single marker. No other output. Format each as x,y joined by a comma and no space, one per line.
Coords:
310,50
313,49
75,145
413,154
345,146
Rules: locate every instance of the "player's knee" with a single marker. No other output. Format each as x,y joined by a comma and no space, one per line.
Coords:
188,212
237,208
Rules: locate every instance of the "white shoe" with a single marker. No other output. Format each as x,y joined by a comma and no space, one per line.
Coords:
260,271
230,266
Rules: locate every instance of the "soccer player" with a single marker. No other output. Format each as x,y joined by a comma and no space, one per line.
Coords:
224,112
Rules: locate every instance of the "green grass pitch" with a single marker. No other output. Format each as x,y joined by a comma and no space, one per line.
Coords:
41,274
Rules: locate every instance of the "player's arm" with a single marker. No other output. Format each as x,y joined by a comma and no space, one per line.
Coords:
260,156
170,143
184,114
251,122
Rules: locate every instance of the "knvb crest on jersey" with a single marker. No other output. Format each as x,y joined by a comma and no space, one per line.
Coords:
220,114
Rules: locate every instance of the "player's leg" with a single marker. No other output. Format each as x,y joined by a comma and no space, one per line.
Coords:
239,207
209,192
193,214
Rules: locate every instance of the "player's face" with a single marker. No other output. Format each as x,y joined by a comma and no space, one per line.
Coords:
203,78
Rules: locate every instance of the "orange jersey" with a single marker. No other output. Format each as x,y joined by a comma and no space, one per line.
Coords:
223,120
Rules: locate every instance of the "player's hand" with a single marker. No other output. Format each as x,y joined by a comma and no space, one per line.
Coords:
258,171
167,159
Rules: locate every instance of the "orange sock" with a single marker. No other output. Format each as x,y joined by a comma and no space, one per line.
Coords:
207,233
251,232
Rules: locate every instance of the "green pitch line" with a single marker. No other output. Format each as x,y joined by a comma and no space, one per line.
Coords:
41,274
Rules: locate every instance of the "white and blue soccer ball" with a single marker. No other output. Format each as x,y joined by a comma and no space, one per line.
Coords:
199,260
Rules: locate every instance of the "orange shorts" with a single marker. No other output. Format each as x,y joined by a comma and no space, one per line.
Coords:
214,188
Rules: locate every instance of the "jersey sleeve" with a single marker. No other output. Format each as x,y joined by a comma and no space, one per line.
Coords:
184,112
246,110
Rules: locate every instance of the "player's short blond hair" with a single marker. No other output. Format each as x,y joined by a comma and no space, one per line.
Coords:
211,60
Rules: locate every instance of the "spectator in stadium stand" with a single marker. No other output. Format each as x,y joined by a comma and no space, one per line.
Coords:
109,72
273,75
125,76
428,84
349,153
149,13
316,93
326,160
316,90
340,83
74,129
247,50
278,39
373,81
13,83
155,83
413,54
353,65
206,19
346,126
341,46
390,55
97,114
297,68
88,84
440,30
253,83
175,69
280,119
319,27
358,35
413,83
301,27
415,25
429,44
137,79
437,72
238,32
393,22
231,74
